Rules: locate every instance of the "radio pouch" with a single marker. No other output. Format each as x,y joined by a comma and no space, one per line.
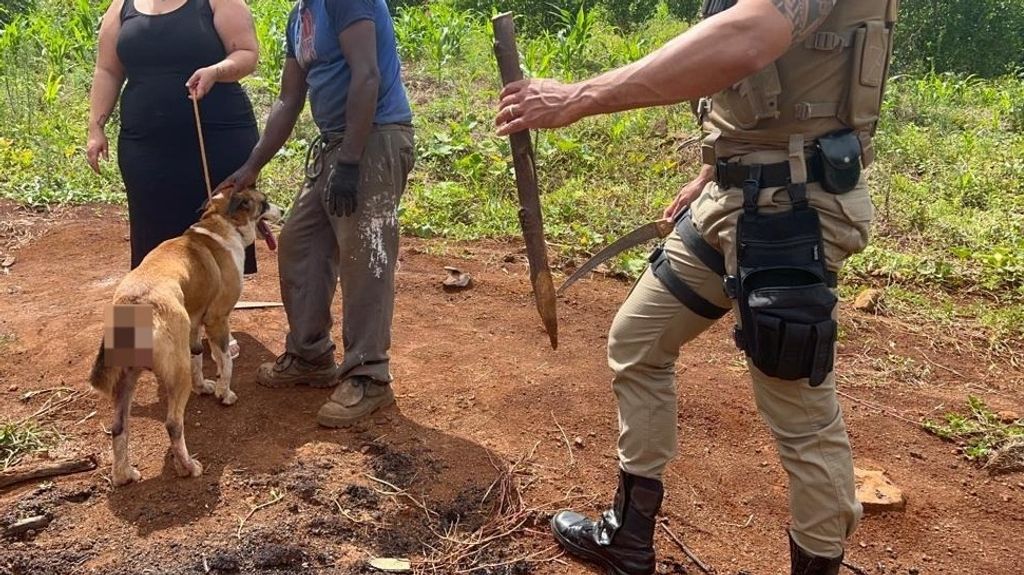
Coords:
782,288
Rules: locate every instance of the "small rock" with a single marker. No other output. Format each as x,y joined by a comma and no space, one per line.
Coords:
12,388
867,300
457,279
877,493
579,443
8,262
1008,416
917,455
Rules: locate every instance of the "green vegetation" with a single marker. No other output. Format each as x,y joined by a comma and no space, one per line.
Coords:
949,184
983,436
20,439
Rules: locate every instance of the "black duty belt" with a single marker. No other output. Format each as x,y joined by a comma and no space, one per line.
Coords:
733,174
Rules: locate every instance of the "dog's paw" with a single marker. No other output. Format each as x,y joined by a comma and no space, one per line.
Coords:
208,387
192,469
227,397
124,478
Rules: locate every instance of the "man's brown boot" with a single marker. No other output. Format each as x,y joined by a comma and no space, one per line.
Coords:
622,540
355,398
289,369
803,563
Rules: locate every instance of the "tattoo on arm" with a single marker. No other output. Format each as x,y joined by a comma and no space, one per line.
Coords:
805,15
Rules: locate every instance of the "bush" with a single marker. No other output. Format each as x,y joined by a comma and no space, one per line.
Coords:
981,37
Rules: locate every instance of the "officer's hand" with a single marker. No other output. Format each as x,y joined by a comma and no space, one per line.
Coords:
689,192
340,192
532,104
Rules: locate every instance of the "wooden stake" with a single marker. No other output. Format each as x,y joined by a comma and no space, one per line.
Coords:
507,53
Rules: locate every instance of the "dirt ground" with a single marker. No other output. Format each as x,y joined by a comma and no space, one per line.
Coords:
479,390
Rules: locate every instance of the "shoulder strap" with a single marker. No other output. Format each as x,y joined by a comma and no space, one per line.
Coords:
128,9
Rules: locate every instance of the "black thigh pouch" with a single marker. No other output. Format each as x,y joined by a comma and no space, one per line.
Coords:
783,290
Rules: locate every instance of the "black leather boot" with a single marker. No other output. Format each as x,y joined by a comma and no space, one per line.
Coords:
803,563
622,540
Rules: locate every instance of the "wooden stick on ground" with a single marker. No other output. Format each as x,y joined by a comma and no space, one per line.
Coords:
693,557
15,476
507,53
28,524
572,458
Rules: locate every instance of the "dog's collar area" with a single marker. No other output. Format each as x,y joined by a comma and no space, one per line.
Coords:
213,235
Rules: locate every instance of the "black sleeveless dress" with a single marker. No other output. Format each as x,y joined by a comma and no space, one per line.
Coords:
158,149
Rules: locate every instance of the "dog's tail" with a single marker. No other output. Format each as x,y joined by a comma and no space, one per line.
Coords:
103,378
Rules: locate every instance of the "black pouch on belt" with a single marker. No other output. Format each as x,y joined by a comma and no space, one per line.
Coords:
839,155
783,290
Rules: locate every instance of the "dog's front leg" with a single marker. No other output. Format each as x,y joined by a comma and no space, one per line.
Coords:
219,336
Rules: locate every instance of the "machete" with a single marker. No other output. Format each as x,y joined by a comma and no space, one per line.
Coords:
657,229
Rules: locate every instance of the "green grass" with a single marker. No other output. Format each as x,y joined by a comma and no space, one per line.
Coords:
20,439
949,183
980,433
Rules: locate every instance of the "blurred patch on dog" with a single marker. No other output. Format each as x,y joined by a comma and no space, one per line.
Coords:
128,335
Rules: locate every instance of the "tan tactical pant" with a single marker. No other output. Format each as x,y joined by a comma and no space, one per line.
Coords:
807,422
361,250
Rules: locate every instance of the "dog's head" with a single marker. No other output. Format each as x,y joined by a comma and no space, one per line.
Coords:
248,211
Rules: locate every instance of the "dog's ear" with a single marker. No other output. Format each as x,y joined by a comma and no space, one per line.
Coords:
237,203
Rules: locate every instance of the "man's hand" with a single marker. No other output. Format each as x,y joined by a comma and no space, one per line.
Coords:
202,81
342,185
244,177
689,192
532,104
97,147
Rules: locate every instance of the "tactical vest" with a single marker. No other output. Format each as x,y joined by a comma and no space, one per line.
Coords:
833,80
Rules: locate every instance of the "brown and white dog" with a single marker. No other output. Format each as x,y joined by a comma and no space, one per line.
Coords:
190,281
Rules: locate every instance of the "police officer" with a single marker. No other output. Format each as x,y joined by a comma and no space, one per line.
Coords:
789,95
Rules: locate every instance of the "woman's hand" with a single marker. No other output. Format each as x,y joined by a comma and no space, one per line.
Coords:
97,147
202,81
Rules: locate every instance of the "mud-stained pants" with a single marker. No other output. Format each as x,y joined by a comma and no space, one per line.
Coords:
807,422
361,250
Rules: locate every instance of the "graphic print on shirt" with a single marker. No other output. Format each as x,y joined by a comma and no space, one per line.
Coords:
307,36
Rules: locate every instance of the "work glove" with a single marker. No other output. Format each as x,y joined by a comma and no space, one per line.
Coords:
340,192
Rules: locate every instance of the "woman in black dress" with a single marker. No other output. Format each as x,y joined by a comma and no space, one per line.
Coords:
169,51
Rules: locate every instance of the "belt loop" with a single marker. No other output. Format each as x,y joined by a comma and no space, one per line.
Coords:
752,189
797,160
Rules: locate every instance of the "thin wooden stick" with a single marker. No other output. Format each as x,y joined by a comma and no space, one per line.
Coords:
13,477
202,148
572,458
693,557
879,408
854,568
241,522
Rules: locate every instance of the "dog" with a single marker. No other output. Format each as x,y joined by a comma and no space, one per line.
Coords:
188,282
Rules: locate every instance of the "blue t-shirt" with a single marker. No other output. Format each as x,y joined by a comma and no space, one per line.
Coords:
313,30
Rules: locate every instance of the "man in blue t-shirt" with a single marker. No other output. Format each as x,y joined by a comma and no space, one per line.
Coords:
344,222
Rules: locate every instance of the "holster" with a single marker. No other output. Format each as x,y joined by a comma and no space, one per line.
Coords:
783,289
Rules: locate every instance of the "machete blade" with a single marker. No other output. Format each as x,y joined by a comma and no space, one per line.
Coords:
650,231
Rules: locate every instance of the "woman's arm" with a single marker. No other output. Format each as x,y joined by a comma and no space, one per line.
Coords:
107,79
233,22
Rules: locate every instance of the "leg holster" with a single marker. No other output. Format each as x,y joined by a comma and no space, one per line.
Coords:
782,288
673,283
